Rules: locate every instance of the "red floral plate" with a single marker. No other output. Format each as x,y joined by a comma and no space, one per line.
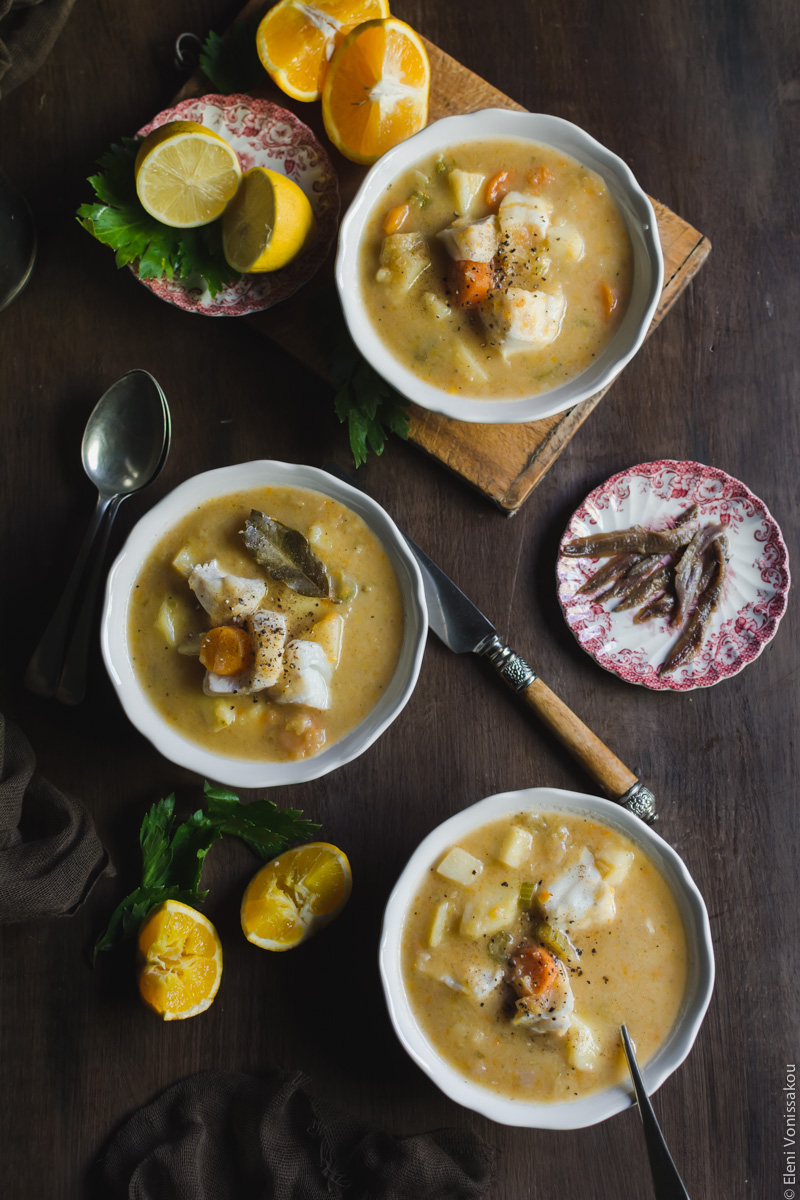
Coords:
755,590
263,135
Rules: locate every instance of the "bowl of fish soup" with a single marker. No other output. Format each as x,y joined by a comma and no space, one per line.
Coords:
545,880
324,670
496,305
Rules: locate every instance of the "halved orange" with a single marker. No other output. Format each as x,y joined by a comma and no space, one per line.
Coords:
295,895
179,961
296,40
376,90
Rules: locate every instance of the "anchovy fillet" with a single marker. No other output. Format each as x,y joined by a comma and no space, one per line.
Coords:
695,629
636,540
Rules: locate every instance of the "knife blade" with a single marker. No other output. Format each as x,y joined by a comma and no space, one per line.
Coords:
464,629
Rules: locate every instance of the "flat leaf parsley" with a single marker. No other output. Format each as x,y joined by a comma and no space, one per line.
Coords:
370,407
173,855
231,62
118,220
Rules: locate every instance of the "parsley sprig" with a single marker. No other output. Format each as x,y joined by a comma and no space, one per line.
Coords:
231,62
118,220
173,854
370,407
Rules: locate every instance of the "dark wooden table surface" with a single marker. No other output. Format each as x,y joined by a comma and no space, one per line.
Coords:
703,100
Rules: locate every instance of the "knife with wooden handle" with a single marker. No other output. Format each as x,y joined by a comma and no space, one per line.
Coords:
464,629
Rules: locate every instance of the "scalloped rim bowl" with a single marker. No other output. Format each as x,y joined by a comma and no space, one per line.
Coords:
636,210
242,772
575,1114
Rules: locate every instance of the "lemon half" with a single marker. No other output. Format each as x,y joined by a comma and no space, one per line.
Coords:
268,224
186,175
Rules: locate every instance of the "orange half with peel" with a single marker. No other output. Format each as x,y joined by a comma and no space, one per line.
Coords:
376,90
295,895
296,40
179,961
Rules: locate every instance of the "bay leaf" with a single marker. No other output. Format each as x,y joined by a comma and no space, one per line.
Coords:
286,554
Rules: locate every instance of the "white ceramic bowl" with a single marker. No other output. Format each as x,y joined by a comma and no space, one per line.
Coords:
242,772
636,209
593,1108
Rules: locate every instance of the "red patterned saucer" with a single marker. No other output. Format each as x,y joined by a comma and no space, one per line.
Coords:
263,135
755,590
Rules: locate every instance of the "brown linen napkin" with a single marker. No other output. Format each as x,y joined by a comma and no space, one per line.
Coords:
225,1136
28,30
50,855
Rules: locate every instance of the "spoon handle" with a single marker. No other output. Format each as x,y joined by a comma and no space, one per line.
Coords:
667,1183
72,684
44,668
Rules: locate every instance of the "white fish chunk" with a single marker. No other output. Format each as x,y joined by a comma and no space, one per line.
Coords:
522,320
225,596
523,218
474,979
267,633
473,241
578,897
551,1011
306,675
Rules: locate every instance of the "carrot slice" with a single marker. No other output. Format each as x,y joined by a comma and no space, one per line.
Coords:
226,650
471,282
609,298
395,219
497,187
539,177
534,971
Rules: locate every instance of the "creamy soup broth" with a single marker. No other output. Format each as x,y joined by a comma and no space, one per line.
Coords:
461,947
256,725
559,237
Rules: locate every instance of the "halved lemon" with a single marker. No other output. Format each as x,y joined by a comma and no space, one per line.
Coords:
269,223
376,89
296,40
179,961
186,175
295,895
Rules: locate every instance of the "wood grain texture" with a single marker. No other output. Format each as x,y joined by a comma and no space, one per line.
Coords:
504,462
599,763
702,100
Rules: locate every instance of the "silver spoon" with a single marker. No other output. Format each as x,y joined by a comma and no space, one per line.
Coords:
125,445
667,1183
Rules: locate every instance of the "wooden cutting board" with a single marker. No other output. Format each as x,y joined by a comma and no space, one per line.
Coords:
505,462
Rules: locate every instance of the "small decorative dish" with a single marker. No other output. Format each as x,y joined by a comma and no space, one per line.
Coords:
754,590
263,135
247,729
468,393
478,1077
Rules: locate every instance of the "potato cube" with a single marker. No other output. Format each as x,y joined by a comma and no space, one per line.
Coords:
327,633
516,846
487,914
614,865
460,866
467,364
185,561
222,714
565,242
582,1049
172,620
439,924
405,256
464,188
436,307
